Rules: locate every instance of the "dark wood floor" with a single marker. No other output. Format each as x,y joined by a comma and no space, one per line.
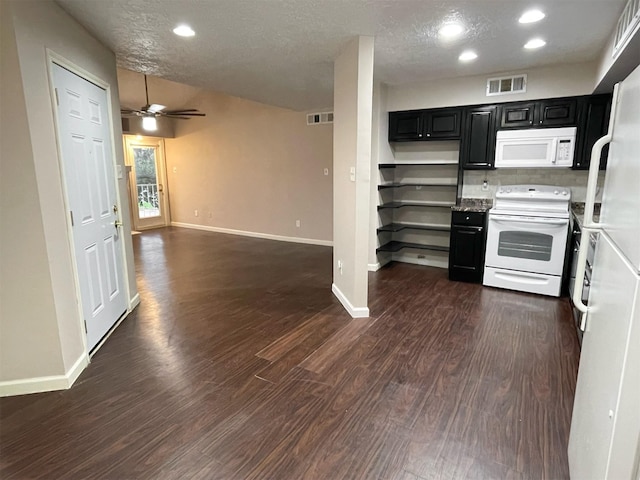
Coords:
240,364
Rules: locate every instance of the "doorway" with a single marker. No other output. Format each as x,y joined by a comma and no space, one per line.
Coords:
147,181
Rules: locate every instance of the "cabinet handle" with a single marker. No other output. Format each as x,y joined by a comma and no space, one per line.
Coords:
419,135
428,134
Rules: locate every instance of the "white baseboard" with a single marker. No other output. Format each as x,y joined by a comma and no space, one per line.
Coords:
134,302
44,384
374,267
355,312
267,236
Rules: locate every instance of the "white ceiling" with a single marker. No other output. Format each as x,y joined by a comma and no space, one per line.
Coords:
281,52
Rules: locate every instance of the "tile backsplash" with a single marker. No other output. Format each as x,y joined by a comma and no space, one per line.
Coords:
574,179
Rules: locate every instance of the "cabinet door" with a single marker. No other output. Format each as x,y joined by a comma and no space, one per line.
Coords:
594,125
557,112
444,123
405,126
517,115
479,138
466,253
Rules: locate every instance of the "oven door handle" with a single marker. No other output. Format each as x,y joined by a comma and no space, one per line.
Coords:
524,220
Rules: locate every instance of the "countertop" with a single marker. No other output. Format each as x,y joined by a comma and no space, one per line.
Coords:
473,205
577,208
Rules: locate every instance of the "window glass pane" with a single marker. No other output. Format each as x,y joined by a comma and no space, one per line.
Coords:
529,245
146,182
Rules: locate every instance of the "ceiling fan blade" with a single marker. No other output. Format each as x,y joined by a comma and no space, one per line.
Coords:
154,108
183,110
177,117
188,114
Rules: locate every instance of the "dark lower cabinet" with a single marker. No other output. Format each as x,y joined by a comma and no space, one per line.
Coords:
467,246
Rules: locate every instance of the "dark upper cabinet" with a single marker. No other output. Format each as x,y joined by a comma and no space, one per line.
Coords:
557,112
405,126
467,246
552,112
417,125
478,141
444,123
594,124
517,115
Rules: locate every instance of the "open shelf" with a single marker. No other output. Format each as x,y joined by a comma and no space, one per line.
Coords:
399,185
416,204
396,227
395,246
426,163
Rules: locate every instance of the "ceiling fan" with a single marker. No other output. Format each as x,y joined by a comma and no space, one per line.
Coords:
155,110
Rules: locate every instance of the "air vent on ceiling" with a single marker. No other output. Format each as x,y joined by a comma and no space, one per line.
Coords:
506,85
627,24
318,118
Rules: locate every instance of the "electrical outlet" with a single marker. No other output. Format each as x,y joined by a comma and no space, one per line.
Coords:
485,186
340,266
195,213
298,223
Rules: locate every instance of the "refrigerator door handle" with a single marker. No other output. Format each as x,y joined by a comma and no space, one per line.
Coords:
594,166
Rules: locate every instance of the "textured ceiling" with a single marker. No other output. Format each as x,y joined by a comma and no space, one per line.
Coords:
281,52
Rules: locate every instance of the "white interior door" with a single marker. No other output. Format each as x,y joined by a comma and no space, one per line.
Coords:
147,182
87,159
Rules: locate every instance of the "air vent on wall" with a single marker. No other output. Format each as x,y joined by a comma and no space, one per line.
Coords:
318,118
628,22
506,85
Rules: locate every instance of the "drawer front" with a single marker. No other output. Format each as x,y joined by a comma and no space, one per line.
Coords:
473,219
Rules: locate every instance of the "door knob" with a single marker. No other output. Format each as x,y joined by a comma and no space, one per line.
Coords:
117,224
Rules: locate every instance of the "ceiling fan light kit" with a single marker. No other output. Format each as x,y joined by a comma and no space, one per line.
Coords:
149,124
149,112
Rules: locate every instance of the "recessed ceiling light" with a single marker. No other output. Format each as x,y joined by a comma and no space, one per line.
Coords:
451,30
467,56
535,43
184,31
531,16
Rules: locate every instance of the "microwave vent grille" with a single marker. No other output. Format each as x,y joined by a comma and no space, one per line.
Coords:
318,118
507,85
629,22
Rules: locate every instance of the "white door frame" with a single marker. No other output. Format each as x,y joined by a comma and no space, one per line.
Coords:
129,142
51,59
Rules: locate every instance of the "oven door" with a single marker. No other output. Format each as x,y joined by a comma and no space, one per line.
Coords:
527,244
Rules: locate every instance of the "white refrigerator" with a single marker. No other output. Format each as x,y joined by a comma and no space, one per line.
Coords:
605,428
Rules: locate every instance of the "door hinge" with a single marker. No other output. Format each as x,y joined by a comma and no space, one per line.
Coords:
71,215
57,98
85,327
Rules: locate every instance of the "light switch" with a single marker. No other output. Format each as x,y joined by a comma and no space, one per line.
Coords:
352,174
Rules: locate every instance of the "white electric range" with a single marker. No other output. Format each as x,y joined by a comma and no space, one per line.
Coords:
527,238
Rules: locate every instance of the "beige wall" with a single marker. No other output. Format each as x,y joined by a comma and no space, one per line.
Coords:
250,167
27,324
353,99
40,26
556,81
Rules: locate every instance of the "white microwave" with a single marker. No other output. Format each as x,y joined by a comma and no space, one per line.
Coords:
539,147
